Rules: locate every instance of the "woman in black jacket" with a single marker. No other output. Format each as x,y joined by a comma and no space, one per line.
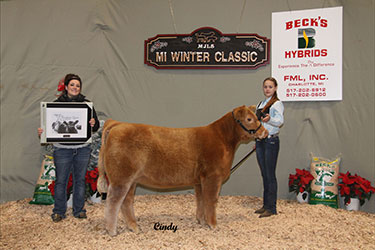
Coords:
71,158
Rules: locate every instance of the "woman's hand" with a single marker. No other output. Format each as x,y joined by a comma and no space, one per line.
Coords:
266,118
92,122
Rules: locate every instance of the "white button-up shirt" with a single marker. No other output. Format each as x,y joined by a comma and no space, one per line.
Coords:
276,116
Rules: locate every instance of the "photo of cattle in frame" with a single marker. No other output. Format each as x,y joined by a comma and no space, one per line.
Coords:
66,122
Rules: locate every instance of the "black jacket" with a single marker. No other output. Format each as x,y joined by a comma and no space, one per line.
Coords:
80,98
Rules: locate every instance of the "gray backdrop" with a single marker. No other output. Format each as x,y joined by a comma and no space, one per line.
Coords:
103,42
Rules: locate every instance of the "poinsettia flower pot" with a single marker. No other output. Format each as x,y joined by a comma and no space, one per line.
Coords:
70,201
303,197
353,204
96,198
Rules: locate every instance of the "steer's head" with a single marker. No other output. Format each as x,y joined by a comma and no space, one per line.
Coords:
249,124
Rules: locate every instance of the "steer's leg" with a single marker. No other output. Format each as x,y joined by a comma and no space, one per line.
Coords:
200,205
210,188
116,195
127,209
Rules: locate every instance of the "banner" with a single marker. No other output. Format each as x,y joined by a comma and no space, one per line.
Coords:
207,48
307,54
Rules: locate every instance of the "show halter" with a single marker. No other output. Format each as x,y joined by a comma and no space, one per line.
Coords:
250,131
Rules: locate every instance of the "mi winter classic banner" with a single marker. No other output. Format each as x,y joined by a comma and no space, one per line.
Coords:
207,48
307,54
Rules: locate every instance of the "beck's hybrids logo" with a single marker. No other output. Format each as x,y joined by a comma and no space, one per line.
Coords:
306,38
306,46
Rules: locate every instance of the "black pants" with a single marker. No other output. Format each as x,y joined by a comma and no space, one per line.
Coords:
267,151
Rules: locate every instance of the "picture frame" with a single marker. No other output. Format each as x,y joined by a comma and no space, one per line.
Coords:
66,122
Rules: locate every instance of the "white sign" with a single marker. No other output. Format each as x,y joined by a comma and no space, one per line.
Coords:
307,54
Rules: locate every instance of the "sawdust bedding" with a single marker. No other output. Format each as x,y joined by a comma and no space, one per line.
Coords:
297,226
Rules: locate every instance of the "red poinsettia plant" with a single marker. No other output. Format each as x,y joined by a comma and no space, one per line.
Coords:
300,181
91,181
69,188
354,186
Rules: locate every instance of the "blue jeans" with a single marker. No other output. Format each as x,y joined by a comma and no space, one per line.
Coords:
267,151
67,161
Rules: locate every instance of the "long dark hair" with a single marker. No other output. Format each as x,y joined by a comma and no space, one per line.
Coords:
274,97
70,77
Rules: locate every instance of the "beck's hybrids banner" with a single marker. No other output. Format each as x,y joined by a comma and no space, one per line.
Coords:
307,54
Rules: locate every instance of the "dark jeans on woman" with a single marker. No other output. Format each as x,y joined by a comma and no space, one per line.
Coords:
68,161
267,151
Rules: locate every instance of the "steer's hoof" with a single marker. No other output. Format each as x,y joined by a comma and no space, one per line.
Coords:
201,221
212,226
112,233
134,229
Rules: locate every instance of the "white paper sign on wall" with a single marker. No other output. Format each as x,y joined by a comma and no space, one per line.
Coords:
307,54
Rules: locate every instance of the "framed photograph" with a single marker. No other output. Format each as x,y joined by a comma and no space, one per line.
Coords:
66,122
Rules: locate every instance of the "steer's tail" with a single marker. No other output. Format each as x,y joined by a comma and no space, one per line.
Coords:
102,184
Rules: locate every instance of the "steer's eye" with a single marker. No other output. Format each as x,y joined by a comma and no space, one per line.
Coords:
249,119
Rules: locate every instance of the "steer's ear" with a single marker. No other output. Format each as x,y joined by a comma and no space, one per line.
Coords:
253,108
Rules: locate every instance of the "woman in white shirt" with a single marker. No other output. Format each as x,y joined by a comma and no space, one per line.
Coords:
270,113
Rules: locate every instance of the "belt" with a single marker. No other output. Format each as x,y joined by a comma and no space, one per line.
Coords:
268,137
273,136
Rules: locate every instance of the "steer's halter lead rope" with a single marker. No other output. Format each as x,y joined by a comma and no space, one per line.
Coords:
250,131
241,161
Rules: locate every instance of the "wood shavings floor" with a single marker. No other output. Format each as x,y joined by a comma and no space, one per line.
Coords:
297,226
